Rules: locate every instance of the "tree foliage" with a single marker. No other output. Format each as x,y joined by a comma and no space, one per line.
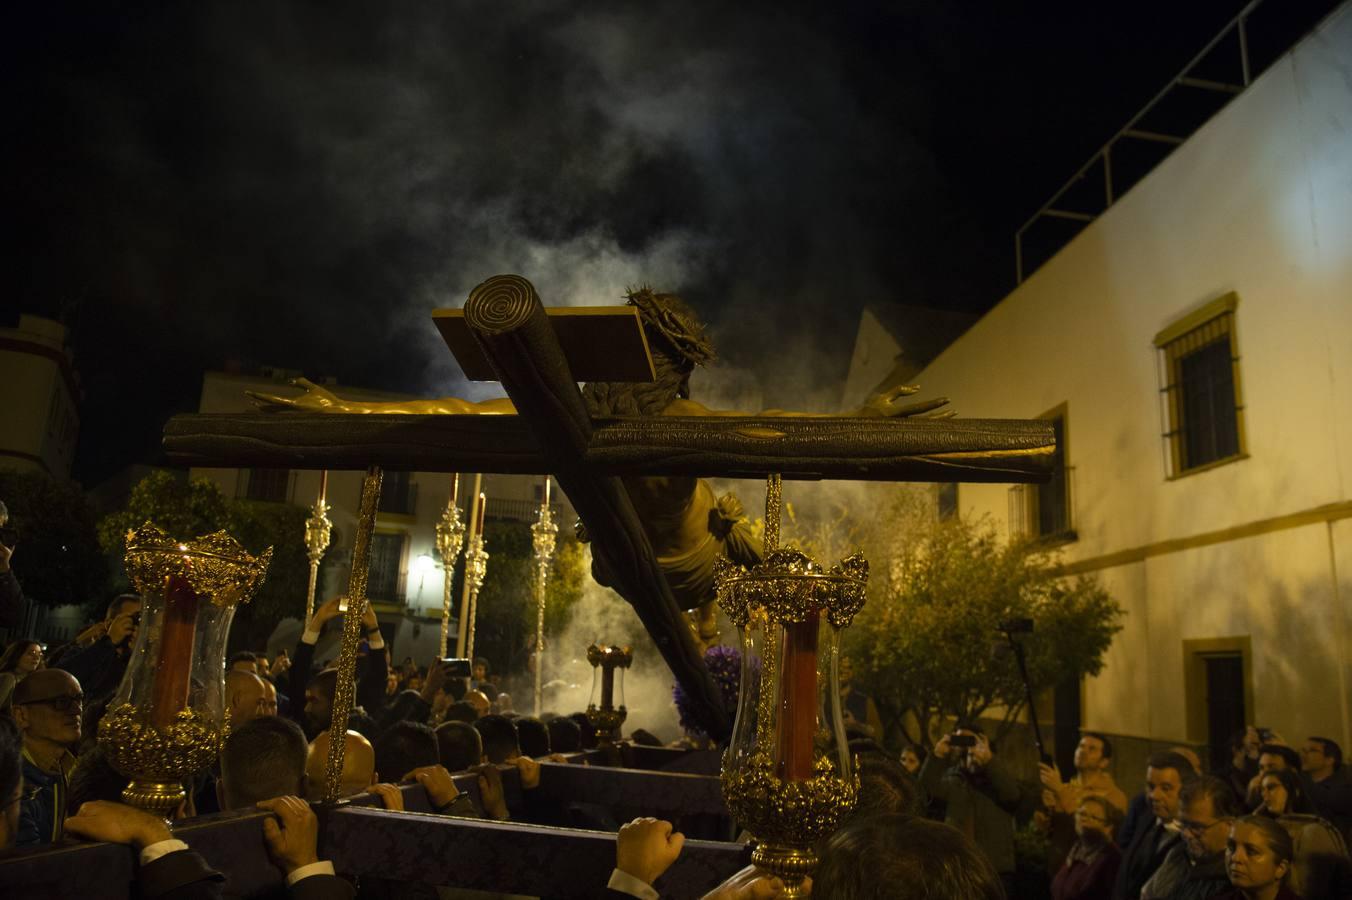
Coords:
926,643
505,622
56,557
195,507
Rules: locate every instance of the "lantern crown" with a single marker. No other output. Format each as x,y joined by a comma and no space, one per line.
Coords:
215,566
789,586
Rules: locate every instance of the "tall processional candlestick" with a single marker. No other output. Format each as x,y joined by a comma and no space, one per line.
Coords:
318,530
450,538
476,566
543,533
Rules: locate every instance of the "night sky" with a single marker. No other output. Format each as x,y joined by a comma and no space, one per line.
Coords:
298,185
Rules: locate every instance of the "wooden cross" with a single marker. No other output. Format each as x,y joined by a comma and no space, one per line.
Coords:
553,434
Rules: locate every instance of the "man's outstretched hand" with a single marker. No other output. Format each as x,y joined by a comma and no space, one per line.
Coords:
645,848
117,823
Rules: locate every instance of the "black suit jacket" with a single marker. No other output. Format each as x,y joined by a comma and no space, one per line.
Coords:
1143,857
185,875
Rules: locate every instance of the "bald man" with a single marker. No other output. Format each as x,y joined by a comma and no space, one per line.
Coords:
244,693
359,766
268,704
46,707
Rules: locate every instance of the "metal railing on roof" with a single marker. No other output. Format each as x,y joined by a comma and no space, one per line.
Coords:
1131,132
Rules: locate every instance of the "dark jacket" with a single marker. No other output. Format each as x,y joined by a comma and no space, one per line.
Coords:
1139,817
1146,853
1179,878
979,804
372,672
98,668
1332,799
42,810
185,875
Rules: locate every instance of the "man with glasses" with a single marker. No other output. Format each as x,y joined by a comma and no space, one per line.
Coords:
47,707
1195,868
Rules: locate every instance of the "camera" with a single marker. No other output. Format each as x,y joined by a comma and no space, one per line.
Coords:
962,740
456,668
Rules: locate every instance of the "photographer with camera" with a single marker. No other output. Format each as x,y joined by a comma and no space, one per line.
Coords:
98,657
980,794
11,595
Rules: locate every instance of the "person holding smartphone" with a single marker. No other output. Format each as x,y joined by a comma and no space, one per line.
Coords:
979,792
100,663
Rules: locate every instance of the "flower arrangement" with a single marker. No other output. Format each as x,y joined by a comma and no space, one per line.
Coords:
725,665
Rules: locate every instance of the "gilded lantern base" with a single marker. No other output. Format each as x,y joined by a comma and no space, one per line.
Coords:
607,722
158,759
787,817
161,797
790,865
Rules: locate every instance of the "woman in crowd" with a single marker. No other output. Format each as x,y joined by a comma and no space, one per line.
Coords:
1257,860
22,658
1282,795
1090,868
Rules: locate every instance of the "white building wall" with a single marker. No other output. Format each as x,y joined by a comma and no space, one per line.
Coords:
1258,202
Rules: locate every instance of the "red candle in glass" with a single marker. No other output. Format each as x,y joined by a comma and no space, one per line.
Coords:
798,700
173,670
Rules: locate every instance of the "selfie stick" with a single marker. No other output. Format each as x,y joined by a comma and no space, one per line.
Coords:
1009,629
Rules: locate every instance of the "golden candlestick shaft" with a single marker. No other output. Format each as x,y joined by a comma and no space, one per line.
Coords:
450,538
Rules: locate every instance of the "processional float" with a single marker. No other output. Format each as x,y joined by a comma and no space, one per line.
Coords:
787,770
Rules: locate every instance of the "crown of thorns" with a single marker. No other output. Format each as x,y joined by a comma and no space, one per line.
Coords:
668,315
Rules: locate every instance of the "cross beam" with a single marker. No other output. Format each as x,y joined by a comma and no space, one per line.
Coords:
554,434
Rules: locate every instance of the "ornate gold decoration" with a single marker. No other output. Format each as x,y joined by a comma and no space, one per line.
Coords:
450,538
543,534
774,495
789,585
318,531
215,566
345,691
476,568
779,812
158,759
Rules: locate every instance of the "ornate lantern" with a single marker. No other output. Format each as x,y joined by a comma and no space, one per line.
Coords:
787,774
603,711
167,720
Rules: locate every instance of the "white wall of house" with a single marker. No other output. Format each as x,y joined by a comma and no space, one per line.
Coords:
1258,202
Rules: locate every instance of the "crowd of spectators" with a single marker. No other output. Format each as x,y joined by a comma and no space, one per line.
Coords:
1271,824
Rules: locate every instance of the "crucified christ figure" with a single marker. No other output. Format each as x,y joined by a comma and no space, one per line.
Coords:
687,525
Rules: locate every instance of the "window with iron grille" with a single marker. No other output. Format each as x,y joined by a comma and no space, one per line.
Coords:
268,484
1199,364
384,571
